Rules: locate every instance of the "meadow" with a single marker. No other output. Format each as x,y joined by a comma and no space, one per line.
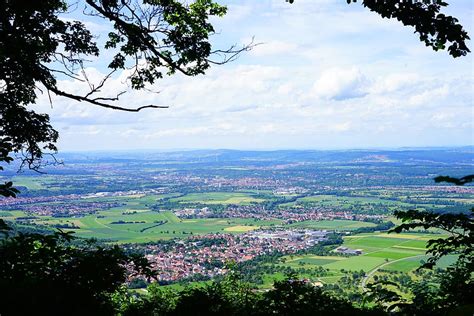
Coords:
396,252
225,198
332,225
346,201
382,203
147,226
136,221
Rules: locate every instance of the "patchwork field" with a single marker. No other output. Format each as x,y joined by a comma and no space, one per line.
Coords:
333,224
218,198
149,226
347,201
297,261
397,252
135,221
240,228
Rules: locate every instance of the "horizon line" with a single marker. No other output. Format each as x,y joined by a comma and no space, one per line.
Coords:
394,148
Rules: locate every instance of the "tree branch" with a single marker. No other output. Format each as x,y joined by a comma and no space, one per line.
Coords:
97,102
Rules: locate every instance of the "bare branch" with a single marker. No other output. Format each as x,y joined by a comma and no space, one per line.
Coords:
234,53
66,74
97,100
100,85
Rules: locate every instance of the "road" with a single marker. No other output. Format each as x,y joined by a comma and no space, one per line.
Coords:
372,272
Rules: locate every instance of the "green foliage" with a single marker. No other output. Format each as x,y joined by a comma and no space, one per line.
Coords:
381,293
183,44
296,297
4,228
6,189
30,35
231,296
435,29
53,275
459,226
37,46
456,283
456,286
227,297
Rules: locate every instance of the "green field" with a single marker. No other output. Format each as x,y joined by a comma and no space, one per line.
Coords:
134,221
141,224
240,228
218,198
146,226
406,251
358,263
37,182
311,260
333,224
384,248
369,243
32,183
346,201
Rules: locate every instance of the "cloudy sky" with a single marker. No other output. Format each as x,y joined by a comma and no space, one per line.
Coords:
327,75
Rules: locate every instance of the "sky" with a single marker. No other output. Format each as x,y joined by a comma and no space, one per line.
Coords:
326,75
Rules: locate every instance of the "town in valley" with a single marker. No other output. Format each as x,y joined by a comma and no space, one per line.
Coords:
196,215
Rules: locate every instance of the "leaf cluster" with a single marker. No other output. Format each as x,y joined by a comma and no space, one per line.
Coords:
459,226
56,275
231,296
38,46
437,30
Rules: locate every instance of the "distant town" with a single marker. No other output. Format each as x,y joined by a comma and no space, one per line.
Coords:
194,218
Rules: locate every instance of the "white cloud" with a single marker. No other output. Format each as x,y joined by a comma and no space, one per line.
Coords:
340,84
273,48
327,77
236,12
428,97
394,82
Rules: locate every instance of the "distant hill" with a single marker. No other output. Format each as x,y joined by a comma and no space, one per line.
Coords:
406,155
461,156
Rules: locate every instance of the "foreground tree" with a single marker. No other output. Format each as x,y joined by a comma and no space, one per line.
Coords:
456,284
435,29
454,288
297,297
290,296
148,39
56,275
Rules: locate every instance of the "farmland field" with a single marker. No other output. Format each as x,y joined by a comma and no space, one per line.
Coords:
333,224
217,198
240,228
148,226
365,263
311,260
378,249
331,200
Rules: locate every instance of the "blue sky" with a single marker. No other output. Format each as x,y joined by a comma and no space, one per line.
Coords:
327,75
